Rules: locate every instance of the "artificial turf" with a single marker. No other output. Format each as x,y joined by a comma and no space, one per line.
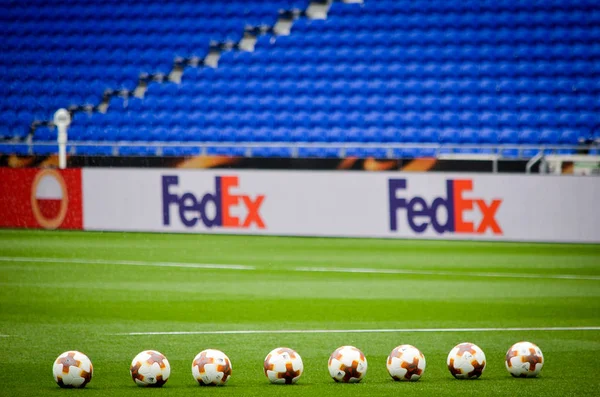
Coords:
87,291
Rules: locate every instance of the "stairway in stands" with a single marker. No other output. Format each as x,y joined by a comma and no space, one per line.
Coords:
85,55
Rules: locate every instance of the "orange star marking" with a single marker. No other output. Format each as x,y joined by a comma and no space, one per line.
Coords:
157,358
288,351
159,381
532,358
477,369
201,361
268,366
395,353
350,371
68,361
289,374
87,376
226,369
135,372
337,354
411,368
454,371
510,354
464,348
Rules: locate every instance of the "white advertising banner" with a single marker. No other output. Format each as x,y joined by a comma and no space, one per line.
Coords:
357,204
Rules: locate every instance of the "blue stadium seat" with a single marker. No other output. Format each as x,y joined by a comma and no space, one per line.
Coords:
226,151
46,134
529,136
271,152
94,150
510,153
45,149
137,151
568,136
549,136
413,153
18,149
185,151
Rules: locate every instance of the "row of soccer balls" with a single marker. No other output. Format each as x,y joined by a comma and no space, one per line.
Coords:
347,364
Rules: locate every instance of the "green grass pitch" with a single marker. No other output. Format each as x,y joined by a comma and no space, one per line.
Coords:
87,291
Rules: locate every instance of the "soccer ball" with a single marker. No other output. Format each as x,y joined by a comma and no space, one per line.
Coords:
406,362
466,361
347,364
72,369
524,360
150,368
211,368
283,366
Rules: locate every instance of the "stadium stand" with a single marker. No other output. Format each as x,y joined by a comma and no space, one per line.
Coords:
455,72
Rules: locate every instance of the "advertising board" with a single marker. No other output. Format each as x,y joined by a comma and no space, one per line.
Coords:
40,198
353,204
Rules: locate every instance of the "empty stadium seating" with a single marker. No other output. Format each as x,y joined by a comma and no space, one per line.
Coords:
489,72
57,54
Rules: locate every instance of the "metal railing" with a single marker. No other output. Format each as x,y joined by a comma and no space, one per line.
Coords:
391,150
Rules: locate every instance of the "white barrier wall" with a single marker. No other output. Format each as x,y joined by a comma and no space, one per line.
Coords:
358,204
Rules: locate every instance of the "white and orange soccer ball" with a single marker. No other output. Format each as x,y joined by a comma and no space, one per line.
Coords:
466,361
283,366
150,368
211,367
406,362
347,364
72,369
524,360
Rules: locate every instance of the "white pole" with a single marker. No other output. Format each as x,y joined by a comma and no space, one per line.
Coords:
62,119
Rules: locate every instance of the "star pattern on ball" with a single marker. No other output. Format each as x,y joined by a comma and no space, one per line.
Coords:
395,353
532,358
135,374
465,348
411,368
453,370
509,355
289,374
59,381
477,369
226,369
350,371
159,381
87,376
157,358
337,354
201,361
291,353
68,361
267,364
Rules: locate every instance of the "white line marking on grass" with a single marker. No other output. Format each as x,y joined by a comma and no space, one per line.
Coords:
127,263
360,331
303,269
444,273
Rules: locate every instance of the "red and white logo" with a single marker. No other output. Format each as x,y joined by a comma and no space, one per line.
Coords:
49,199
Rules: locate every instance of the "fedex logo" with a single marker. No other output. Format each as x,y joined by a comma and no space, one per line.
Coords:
420,214
193,209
